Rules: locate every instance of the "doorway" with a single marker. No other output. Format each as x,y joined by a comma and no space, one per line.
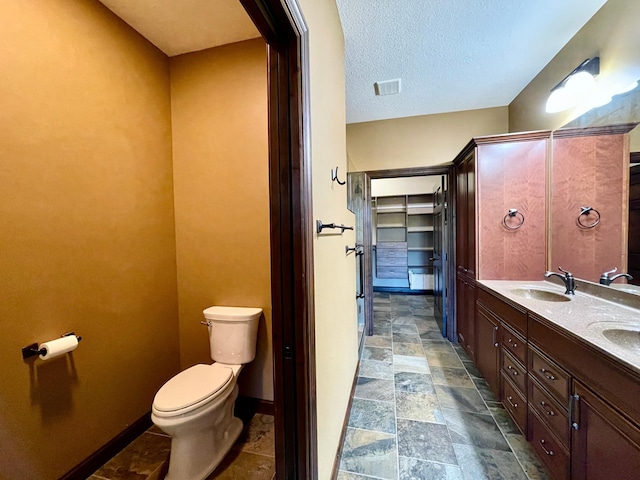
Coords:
407,238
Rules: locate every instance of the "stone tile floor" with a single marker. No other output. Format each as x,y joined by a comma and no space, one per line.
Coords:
421,410
147,457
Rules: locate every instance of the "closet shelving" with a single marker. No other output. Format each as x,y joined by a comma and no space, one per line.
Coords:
403,235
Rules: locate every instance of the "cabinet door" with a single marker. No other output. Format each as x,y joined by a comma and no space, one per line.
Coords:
470,166
487,347
605,444
461,217
465,306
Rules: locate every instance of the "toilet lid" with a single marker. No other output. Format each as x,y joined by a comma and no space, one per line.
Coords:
192,386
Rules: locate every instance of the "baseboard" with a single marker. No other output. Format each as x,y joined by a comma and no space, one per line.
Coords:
402,290
345,424
105,453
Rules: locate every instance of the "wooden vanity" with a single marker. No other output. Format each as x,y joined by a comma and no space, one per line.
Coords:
577,403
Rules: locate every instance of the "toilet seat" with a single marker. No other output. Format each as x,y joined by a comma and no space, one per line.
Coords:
191,388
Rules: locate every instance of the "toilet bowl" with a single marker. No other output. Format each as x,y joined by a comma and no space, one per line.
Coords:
196,406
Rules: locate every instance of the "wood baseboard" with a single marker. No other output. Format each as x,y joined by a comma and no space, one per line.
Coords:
105,453
345,424
402,290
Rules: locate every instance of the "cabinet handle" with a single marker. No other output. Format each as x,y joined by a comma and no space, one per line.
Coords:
512,343
514,405
495,334
573,400
514,372
548,375
547,408
548,452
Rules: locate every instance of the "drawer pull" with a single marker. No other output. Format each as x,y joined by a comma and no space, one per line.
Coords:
514,405
547,408
548,375
548,452
495,333
514,372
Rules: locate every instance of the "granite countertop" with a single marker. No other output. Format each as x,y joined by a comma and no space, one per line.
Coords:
583,316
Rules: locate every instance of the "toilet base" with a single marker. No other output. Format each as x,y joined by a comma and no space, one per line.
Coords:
196,455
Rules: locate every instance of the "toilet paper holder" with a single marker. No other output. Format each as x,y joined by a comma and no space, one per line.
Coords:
33,350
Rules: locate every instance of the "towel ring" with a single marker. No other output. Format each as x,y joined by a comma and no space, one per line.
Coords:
513,213
586,211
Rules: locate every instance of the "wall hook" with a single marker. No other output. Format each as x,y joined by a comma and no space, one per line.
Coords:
334,177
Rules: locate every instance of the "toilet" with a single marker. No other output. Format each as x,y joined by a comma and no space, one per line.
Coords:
196,406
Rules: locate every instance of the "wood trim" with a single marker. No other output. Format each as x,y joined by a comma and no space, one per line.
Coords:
403,290
345,423
367,260
410,172
634,157
105,453
591,131
281,24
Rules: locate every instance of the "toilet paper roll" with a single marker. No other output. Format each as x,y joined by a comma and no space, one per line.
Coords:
55,348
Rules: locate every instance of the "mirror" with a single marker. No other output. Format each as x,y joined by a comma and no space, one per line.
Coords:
622,109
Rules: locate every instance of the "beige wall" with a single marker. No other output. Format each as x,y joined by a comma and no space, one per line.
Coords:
335,282
221,182
613,33
421,141
87,244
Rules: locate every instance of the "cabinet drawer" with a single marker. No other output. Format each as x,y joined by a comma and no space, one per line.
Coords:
514,344
392,272
550,376
514,403
391,245
391,253
548,449
550,411
508,314
392,261
515,371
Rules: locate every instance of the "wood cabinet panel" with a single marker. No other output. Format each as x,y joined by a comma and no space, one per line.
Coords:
550,411
512,176
515,371
550,375
487,346
514,344
605,444
554,456
465,313
514,403
508,314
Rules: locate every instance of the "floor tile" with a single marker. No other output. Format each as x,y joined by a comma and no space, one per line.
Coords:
370,453
376,369
460,398
454,377
415,469
472,369
423,407
377,353
403,319
258,436
425,441
432,335
377,341
443,359
404,363
353,476
375,389
401,328
479,464
382,330
413,382
441,347
410,349
474,429
407,338
372,415
239,465
484,389
503,420
527,458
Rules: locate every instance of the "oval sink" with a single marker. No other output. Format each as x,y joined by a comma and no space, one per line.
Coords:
625,337
537,294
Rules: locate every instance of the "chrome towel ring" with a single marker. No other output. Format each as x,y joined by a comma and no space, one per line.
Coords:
587,211
513,224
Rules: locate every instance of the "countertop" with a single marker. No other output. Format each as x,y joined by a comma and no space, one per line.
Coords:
584,316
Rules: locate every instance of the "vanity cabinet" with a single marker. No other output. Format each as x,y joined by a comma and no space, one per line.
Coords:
488,347
577,407
465,308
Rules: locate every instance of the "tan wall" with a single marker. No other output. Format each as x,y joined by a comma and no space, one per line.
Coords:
335,282
221,181
87,244
421,141
613,33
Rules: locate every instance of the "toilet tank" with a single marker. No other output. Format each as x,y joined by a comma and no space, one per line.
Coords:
233,332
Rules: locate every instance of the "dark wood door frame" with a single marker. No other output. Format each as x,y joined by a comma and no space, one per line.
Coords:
447,170
282,26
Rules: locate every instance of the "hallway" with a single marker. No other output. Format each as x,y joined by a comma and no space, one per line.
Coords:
421,410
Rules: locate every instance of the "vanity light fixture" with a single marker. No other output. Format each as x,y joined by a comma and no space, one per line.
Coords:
575,87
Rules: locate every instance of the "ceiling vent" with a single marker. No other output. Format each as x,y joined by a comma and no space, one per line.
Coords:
388,87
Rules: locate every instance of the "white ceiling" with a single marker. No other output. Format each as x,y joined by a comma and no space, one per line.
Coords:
182,26
451,55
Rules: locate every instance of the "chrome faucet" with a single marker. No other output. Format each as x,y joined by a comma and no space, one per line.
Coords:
605,279
567,279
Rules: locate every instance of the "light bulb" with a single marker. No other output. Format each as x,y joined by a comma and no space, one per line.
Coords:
580,83
558,101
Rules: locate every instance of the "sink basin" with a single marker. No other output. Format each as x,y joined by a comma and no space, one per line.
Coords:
627,337
539,294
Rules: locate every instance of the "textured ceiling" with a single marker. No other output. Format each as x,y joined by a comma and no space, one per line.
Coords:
451,55
182,26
